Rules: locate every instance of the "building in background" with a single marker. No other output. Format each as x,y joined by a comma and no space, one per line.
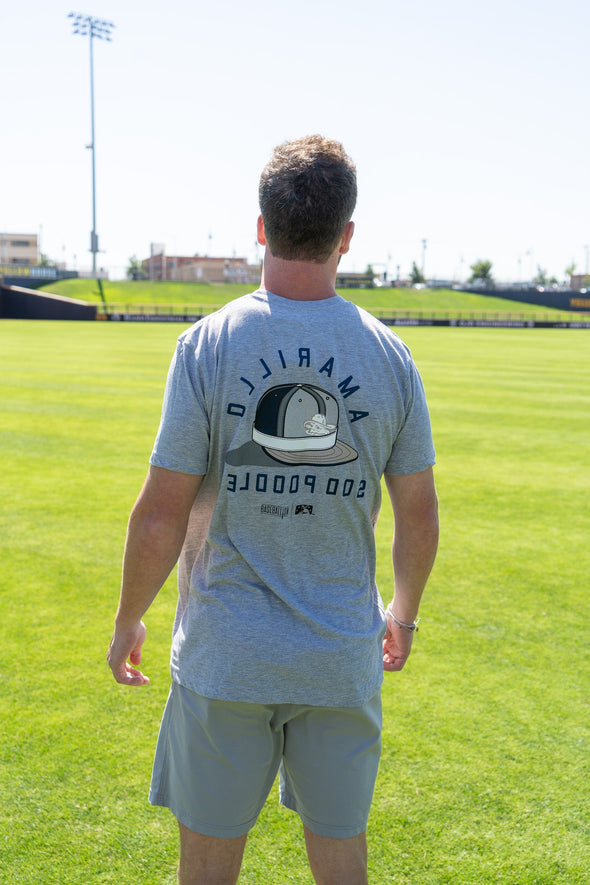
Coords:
198,268
579,281
19,250
205,269
160,266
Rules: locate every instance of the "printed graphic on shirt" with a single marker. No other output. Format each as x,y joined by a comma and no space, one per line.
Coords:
296,424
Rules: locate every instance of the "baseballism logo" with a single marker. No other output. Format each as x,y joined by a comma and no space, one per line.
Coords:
275,510
282,511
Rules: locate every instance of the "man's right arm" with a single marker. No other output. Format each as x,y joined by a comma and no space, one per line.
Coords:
155,536
415,541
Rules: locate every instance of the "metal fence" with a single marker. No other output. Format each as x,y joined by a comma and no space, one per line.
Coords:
167,313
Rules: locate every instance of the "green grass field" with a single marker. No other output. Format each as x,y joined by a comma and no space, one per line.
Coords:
484,776
210,296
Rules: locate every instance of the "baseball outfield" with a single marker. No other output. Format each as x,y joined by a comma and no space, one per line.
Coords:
484,776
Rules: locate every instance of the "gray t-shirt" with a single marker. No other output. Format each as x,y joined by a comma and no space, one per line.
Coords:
292,411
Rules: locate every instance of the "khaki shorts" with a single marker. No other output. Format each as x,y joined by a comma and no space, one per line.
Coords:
216,762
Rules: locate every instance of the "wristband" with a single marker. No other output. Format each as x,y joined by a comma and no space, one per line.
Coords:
410,628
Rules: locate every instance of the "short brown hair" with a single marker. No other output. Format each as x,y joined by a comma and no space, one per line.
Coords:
307,195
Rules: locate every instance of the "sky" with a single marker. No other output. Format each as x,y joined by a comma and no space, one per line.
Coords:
468,123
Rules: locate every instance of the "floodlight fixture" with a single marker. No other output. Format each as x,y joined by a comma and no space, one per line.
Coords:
94,29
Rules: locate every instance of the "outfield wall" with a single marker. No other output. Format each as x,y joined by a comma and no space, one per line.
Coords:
489,323
18,303
190,318
565,300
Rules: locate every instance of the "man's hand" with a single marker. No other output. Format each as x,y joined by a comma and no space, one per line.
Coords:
397,645
126,644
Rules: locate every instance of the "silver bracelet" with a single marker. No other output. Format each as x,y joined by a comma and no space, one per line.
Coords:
411,628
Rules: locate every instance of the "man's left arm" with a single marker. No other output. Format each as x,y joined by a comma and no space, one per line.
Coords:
155,536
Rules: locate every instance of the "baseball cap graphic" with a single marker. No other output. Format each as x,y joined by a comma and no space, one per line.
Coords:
298,424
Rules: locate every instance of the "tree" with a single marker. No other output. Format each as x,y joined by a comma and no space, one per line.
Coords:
481,273
416,275
369,271
135,269
570,271
540,278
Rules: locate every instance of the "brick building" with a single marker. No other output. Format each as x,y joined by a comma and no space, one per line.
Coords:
164,267
580,281
199,268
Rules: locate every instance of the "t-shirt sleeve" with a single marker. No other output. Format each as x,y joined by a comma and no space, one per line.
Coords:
413,450
182,442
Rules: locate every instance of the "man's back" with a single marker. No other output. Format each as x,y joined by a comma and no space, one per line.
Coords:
291,410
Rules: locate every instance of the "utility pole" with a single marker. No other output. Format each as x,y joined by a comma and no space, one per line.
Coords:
424,244
93,28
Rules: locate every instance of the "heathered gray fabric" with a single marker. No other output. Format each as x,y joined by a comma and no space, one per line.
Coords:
277,594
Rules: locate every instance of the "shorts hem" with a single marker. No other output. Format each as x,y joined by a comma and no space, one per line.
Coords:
201,827
288,801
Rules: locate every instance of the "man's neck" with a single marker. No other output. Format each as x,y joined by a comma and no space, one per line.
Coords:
299,280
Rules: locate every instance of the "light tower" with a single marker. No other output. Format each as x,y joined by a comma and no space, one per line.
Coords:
93,28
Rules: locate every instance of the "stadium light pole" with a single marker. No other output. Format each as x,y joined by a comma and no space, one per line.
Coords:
93,28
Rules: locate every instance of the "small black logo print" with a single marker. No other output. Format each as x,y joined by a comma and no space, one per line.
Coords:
303,508
275,510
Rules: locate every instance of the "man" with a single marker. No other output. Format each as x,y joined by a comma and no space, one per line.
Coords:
282,412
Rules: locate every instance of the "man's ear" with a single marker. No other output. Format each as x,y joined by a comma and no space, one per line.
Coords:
260,231
346,238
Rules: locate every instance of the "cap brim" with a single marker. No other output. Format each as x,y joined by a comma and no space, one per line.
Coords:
340,453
